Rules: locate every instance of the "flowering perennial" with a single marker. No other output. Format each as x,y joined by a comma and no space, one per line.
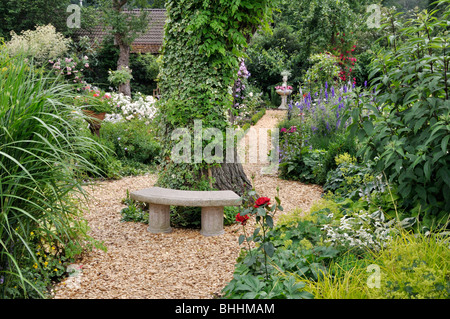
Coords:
142,108
283,88
359,231
262,201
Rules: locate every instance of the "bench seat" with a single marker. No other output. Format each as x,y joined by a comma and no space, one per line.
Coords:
211,202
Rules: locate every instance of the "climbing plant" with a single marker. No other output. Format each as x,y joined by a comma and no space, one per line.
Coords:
203,42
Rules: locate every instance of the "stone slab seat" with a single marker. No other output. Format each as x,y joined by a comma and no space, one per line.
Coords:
211,202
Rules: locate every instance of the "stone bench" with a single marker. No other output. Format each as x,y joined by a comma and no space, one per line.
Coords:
211,202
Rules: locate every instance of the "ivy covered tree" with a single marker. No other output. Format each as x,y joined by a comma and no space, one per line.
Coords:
203,42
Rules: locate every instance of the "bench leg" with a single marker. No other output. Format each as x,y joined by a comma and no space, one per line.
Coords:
159,219
212,221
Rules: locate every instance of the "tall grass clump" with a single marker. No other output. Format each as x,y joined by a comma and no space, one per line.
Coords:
41,229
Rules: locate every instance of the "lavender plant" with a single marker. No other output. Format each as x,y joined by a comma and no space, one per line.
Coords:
308,153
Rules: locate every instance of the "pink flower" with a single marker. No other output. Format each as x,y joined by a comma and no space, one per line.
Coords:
96,95
283,130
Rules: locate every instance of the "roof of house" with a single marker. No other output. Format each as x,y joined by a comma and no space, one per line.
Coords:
150,41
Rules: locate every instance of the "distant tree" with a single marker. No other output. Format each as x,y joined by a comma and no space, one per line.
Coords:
157,4
125,28
406,5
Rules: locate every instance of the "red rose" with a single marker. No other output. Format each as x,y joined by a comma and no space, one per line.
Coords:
261,201
242,219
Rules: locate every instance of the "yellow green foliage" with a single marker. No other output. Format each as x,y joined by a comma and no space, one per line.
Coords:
414,267
296,215
345,158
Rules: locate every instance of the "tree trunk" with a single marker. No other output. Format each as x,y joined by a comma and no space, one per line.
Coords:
124,49
231,176
122,62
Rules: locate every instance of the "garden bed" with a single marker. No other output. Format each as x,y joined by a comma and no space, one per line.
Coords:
182,264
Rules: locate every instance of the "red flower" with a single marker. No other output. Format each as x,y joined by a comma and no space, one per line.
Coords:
261,201
242,219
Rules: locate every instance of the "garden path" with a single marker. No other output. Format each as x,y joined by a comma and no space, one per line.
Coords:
179,265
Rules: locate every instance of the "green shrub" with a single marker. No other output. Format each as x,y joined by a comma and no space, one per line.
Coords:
134,212
408,124
145,71
258,116
303,165
287,123
324,69
132,140
351,179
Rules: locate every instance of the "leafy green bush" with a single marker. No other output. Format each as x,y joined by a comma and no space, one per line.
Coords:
324,69
132,140
297,251
350,179
145,71
134,212
408,125
258,116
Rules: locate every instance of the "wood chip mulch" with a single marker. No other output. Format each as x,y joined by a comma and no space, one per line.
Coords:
179,265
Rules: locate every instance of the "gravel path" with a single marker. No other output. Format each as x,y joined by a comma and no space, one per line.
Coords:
179,265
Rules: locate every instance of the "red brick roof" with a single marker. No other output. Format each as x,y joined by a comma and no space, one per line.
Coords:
150,41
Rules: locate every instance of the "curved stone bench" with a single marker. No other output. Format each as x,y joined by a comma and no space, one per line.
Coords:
211,202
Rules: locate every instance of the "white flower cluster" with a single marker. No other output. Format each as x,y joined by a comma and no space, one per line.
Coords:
142,108
360,231
43,43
